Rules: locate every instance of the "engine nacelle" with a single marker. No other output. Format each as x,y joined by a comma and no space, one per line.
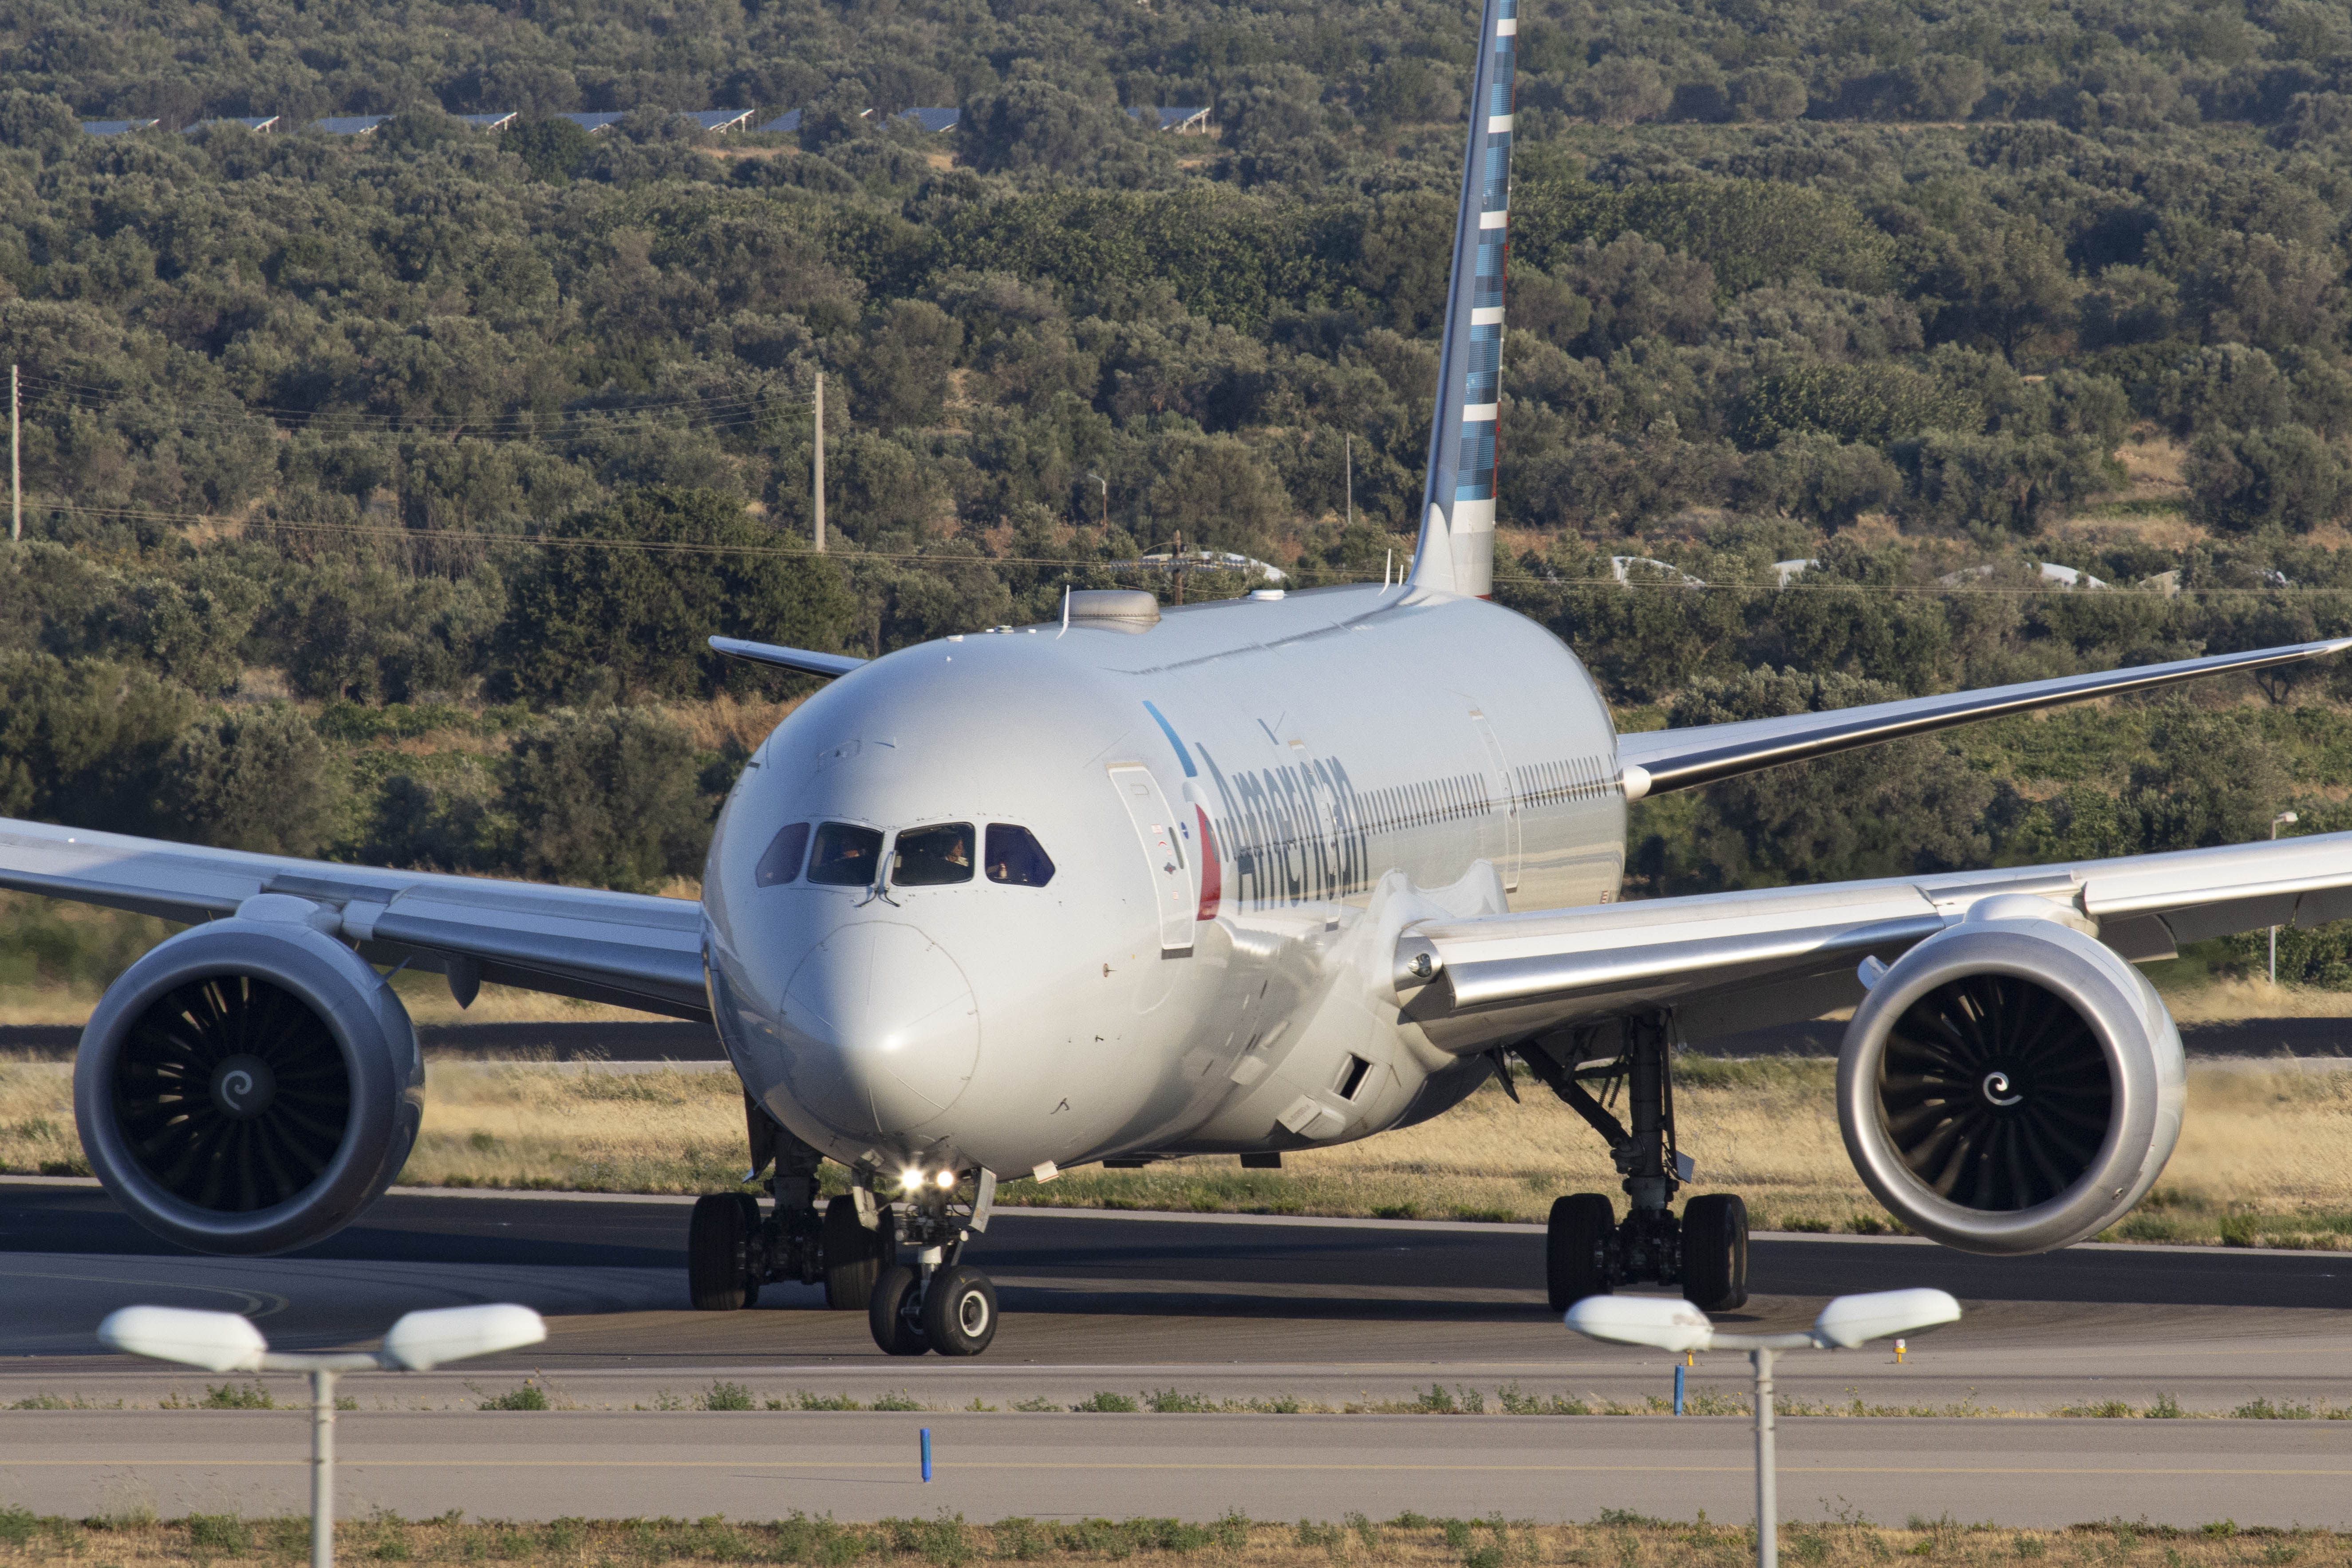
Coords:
249,1086
2010,1085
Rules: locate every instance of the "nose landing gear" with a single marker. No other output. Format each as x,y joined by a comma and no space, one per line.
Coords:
927,1300
900,1262
1587,1250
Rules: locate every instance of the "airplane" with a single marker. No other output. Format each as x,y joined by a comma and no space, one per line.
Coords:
1243,878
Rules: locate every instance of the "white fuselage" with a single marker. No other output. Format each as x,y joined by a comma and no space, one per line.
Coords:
1359,757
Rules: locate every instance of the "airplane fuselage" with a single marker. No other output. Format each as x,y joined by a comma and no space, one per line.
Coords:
1237,803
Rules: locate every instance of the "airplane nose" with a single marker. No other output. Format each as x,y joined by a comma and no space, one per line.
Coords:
889,1034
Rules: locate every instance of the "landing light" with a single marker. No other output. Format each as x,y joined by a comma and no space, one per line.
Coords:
947,1181
909,1180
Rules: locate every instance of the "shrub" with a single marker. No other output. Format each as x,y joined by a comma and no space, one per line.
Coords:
523,1396
727,1397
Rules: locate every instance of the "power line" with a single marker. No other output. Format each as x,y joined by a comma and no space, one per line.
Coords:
1325,573
735,410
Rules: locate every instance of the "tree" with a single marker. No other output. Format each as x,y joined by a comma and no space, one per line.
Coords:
1941,86
554,150
259,779
607,609
2287,477
1215,491
84,743
1622,89
1904,809
607,798
1033,125
1767,94
37,123
900,371
1407,91
2208,780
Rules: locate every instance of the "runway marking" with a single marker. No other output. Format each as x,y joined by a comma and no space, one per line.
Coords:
257,1303
1742,1469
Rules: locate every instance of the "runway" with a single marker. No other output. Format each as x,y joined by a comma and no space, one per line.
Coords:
1328,1314
990,1467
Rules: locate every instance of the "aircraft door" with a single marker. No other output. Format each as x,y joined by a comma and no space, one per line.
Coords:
1505,791
1164,856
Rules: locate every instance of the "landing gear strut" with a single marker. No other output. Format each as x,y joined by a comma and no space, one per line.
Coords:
1588,1251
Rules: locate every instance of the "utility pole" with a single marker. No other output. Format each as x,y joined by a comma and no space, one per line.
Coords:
15,468
1351,481
820,462
1177,561
2283,819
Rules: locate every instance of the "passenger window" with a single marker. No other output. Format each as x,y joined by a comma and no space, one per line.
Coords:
932,857
1016,859
845,855
781,863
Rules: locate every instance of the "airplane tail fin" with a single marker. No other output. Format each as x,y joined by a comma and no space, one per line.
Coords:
1457,552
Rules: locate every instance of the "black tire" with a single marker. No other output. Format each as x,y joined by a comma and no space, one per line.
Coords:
960,1311
1577,1247
1715,1252
754,1259
886,1313
714,1253
853,1257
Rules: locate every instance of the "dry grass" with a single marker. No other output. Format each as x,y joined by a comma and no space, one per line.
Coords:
1409,1541
2228,1000
2153,461
726,721
2266,1159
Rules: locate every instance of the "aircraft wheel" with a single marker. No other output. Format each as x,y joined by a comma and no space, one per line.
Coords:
1715,1252
894,1330
960,1311
1577,1243
853,1257
717,1275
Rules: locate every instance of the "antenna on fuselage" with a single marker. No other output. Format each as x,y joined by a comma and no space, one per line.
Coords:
1456,548
1065,614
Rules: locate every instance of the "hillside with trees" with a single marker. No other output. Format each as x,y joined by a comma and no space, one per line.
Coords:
380,490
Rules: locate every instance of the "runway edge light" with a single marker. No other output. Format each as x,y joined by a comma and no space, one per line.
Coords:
1668,1325
216,1341
422,1340
1850,1321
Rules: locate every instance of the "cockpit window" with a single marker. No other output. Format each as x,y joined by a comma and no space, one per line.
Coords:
781,863
929,857
845,855
1016,859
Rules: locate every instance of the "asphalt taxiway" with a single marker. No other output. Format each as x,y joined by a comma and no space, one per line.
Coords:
1317,1313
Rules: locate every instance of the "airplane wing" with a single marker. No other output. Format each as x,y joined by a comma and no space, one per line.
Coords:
1657,760
795,659
628,948
1733,961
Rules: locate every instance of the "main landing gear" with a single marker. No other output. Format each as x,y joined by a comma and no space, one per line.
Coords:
899,1263
731,1249
1588,1251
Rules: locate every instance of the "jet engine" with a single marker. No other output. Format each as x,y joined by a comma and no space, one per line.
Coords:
2010,1085
250,1084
